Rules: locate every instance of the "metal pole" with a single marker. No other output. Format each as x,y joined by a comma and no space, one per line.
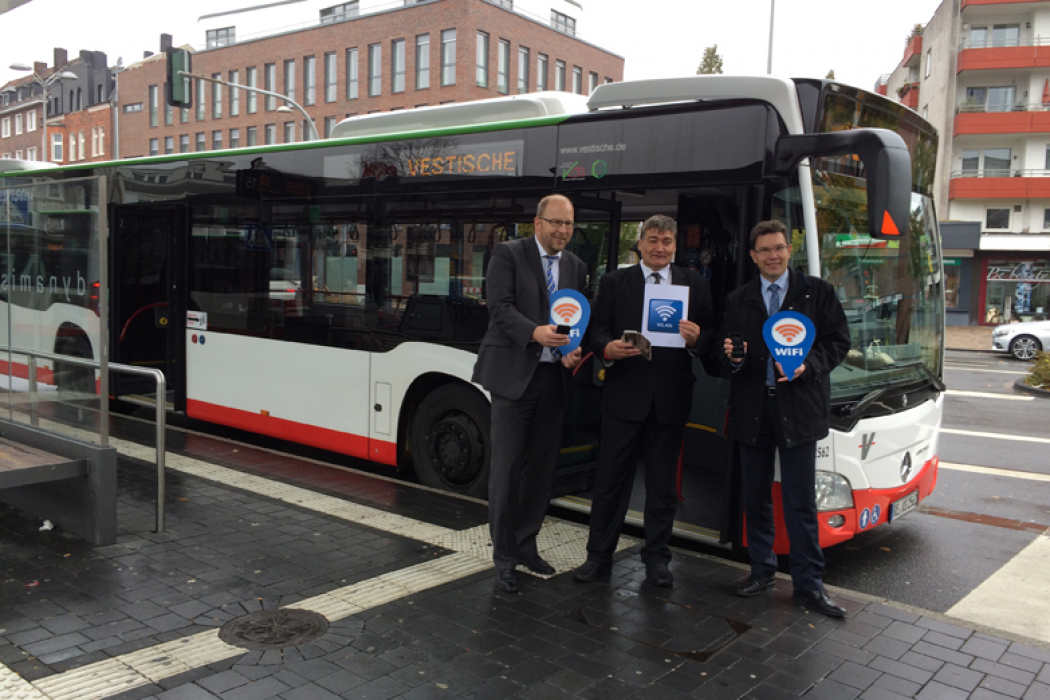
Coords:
33,418
103,308
162,392
290,101
769,58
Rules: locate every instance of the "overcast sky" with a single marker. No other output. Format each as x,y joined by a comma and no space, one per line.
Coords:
658,38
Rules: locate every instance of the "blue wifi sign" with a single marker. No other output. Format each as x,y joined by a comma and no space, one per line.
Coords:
664,315
570,308
789,336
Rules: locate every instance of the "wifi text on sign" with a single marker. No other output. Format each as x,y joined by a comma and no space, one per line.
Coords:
570,308
789,337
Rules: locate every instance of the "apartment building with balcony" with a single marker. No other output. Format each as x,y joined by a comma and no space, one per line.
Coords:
348,58
979,71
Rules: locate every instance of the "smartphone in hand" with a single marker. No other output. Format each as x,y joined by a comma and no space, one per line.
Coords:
563,330
737,339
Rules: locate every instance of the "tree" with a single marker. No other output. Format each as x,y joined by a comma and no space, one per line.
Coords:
830,75
712,62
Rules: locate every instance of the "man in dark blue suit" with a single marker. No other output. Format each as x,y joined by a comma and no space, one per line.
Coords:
530,381
645,403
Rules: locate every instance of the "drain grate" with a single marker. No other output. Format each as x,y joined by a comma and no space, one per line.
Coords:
274,629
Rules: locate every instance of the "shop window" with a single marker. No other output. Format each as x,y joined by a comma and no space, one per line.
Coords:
952,279
997,219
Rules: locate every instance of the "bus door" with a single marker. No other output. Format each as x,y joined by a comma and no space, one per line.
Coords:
143,327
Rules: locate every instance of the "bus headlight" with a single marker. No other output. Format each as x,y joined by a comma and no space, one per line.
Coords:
833,492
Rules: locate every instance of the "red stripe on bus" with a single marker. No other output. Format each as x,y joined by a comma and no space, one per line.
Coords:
303,433
21,370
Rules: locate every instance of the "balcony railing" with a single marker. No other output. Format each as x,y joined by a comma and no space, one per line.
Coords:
969,43
1002,172
970,108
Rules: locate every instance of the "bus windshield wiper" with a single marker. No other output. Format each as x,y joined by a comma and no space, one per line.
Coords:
859,406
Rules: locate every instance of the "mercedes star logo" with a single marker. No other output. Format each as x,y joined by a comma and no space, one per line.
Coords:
906,467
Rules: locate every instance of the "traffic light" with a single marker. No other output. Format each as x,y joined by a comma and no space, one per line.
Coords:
178,89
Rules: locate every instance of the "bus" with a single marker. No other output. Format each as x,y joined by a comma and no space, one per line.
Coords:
332,293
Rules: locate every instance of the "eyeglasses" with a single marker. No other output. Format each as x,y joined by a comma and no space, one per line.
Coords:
778,249
557,223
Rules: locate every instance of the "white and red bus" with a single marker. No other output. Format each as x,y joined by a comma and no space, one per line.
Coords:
332,293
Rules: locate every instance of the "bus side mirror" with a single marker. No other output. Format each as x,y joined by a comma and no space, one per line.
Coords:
887,166
178,90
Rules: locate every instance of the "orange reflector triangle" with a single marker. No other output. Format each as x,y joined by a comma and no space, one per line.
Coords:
888,227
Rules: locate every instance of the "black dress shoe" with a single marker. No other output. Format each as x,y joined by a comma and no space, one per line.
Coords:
753,585
819,601
507,580
658,575
591,571
538,565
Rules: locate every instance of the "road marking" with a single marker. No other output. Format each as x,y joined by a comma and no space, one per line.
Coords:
988,395
992,471
996,436
1025,578
977,368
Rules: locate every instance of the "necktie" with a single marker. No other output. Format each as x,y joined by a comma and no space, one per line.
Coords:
774,306
656,277
551,288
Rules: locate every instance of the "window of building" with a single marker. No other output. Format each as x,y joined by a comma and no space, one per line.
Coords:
216,97
929,60
168,114
153,105
270,134
330,89
235,138
503,67
5,127
559,75
201,99
351,74
329,124
448,57
19,154
523,69
270,85
592,82
102,140
397,65
81,144
309,129
375,70
94,141
481,62
563,23
154,148
309,80
289,78
338,13
216,140
251,78
201,143
169,144
235,94
184,143
31,153
577,80
251,135
18,124
509,4
31,121
422,62
56,148
997,218
289,132
997,162
220,37
184,115
541,72
971,161
137,107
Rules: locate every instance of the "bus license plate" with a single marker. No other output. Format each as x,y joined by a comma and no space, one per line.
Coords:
904,505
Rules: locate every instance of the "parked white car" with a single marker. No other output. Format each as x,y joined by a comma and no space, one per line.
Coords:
1022,340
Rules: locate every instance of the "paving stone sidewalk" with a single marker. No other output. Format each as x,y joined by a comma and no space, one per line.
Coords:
76,622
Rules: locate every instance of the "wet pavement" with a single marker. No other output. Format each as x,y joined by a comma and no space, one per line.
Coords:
401,586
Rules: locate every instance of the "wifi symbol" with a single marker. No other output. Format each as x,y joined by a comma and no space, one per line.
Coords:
789,332
566,312
665,312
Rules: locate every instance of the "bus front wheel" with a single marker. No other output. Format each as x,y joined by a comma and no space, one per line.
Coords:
72,378
450,441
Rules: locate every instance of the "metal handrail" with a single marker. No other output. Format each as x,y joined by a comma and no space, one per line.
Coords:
967,43
965,108
161,414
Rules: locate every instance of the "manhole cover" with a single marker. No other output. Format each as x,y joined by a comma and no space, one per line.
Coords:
274,629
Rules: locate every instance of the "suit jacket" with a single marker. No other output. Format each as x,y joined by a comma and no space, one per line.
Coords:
516,292
805,402
633,384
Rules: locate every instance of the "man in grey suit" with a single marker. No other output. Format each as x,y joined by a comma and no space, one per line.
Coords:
530,382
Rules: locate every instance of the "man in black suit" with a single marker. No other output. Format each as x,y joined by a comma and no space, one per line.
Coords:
769,414
530,381
645,403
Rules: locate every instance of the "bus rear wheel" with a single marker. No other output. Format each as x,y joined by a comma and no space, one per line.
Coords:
72,378
450,441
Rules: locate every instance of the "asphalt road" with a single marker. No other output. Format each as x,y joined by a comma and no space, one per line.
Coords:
989,504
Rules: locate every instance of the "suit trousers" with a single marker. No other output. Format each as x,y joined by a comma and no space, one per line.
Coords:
798,495
526,437
623,445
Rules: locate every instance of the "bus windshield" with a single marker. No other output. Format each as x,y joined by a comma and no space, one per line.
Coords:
892,291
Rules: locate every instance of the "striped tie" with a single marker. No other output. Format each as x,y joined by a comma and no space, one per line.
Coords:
551,288
773,307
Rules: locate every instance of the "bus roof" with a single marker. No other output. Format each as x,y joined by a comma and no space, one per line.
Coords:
11,165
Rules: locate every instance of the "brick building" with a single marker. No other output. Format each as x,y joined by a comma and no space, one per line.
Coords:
353,59
79,119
